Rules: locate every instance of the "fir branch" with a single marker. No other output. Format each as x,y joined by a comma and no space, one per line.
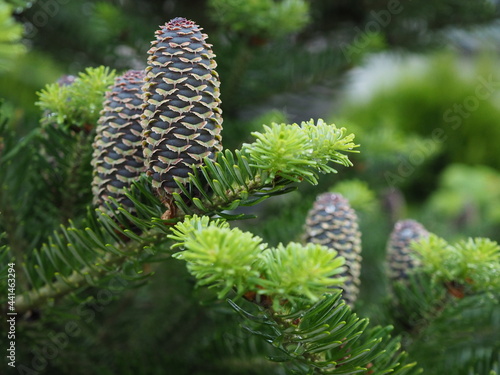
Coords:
228,263
63,285
74,176
17,192
225,258
473,263
468,329
416,302
79,257
281,155
76,258
327,338
324,338
299,152
224,184
479,263
296,272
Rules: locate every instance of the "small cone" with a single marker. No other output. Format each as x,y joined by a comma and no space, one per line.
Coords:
399,253
334,224
118,159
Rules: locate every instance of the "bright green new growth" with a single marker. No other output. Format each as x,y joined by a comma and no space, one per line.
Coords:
328,141
226,258
187,229
217,255
297,271
479,262
300,151
473,262
78,103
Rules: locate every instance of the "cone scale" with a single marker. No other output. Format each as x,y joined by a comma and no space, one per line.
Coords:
182,119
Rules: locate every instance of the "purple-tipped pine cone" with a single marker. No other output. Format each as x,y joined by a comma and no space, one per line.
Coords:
182,119
118,158
334,224
400,259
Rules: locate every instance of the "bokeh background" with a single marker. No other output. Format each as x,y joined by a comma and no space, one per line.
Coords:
418,82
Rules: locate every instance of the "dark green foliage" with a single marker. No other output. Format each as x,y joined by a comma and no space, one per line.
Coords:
99,249
118,158
401,259
327,338
29,210
182,117
333,223
415,301
231,182
45,179
260,19
398,20
432,321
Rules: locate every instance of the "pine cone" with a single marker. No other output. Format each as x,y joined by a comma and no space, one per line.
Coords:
399,252
118,159
333,223
182,118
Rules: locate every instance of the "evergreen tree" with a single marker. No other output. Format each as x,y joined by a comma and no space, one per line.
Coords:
126,224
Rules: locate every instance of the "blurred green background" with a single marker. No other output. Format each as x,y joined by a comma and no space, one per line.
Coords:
418,82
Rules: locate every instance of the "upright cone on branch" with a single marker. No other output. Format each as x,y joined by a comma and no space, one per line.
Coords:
333,223
118,159
182,119
399,253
